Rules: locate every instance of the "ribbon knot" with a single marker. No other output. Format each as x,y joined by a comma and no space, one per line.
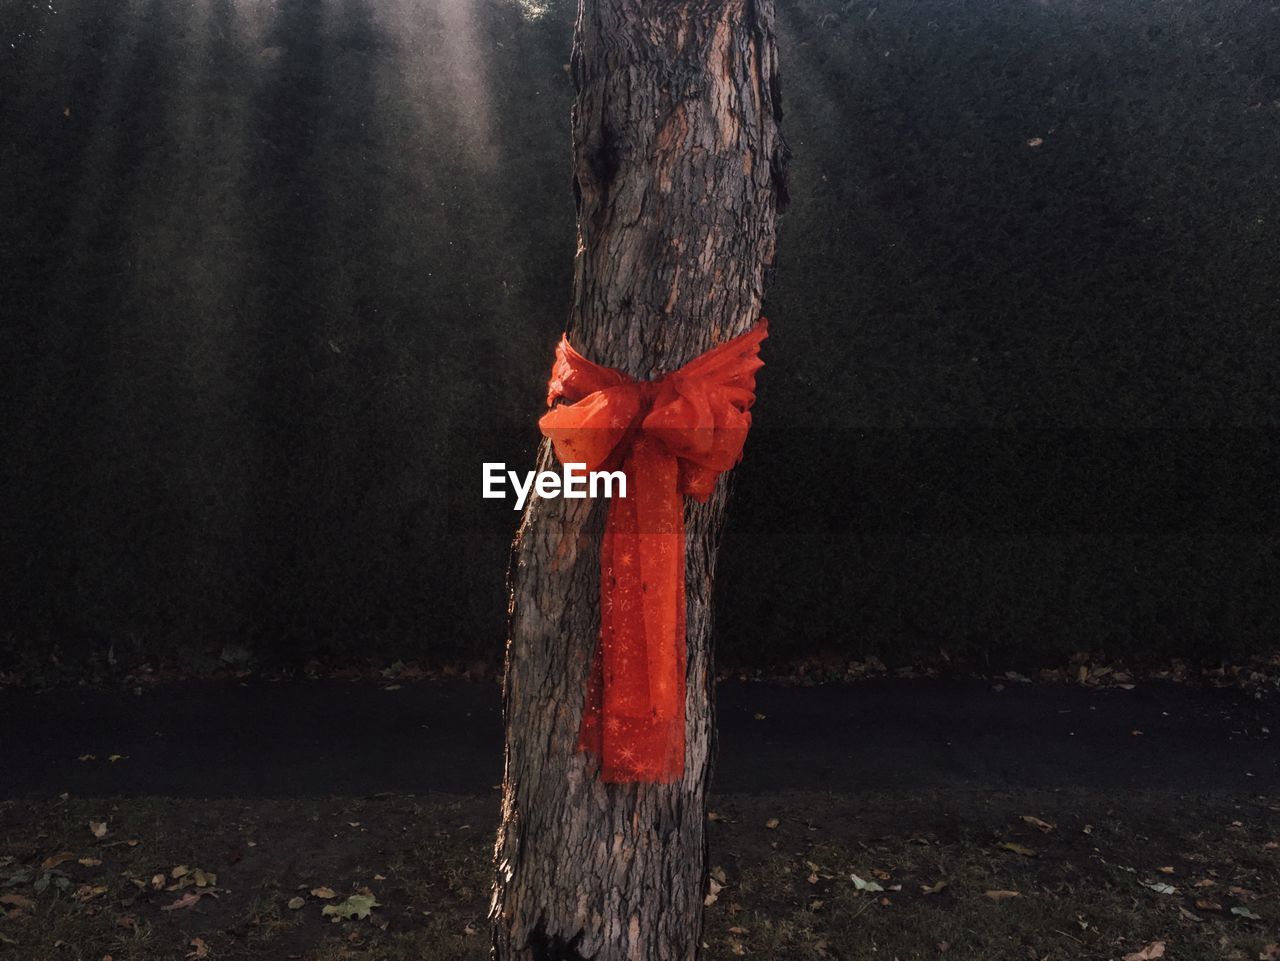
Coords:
670,436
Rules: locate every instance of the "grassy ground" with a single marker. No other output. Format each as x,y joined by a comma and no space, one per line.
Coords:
1096,877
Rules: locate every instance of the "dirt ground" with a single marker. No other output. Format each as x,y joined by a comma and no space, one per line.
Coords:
1005,876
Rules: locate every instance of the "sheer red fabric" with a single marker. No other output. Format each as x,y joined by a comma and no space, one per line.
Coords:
670,436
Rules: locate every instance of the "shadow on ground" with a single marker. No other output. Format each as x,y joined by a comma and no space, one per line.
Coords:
319,738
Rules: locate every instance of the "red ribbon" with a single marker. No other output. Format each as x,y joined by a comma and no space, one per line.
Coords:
670,436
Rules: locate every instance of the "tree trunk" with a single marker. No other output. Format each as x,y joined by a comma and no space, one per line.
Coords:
679,175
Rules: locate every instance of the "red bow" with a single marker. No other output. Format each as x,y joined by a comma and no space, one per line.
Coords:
670,436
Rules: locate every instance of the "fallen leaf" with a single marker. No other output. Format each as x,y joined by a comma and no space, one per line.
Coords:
180,871
157,882
1204,905
1189,915
18,901
201,949
1152,951
89,862
187,900
124,757
296,903
714,888
98,828
87,757
53,860
1037,142
1165,870
1016,848
357,906
932,888
1159,887
323,893
1002,895
1245,913
1036,822
1269,952
862,885
772,823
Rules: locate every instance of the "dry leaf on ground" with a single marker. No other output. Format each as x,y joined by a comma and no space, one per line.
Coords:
190,899
1016,848
1152,951
17,901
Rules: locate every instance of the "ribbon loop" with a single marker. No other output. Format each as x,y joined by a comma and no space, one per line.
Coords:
671,436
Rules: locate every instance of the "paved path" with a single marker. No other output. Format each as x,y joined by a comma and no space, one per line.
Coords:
261,739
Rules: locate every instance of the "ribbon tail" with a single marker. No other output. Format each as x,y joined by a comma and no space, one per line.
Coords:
660,516
591,727
642,643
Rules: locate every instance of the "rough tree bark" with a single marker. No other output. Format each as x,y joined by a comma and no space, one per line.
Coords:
679,175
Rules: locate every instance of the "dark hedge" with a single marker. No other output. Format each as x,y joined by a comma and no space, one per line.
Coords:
277,279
